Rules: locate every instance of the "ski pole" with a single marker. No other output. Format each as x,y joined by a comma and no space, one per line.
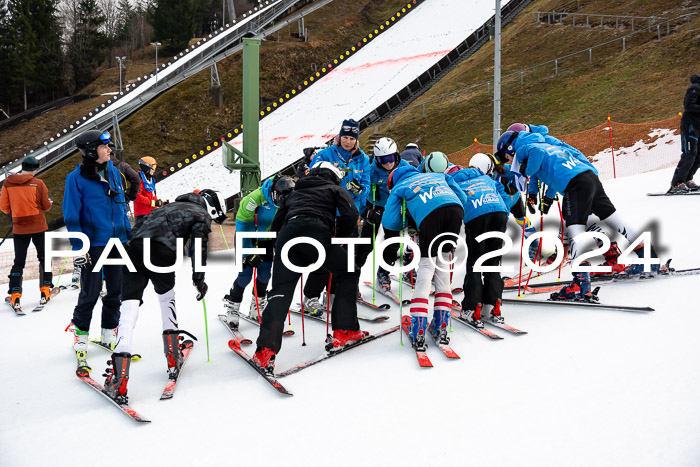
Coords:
255,293
563,258
61,271
6,235
328,301
206,326
403,225
374,242
221,227
303,331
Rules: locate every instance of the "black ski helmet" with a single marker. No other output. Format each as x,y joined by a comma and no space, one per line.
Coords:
88,142
216,204
280,188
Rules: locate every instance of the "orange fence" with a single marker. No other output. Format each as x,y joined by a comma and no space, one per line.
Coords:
616,149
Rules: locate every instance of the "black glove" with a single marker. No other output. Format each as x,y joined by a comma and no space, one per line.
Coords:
354,187
373,216
166,202
200,285
531,202
510,189
253,261
546,204
156,203
133,192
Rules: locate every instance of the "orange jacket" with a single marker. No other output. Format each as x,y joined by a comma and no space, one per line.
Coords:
26,198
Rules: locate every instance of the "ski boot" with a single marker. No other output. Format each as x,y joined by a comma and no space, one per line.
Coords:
417,332
117,377
438,326
678,188
313,307
342,337
532,250
14,302
45,294
495,313
232,312
638,269
611,259
692,186
173,351
253,313
473,317
578,289
108,338
410,277
383,279
265,359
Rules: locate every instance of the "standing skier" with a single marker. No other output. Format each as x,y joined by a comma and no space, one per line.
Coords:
26,198
484,212
690,132
436,206
412,155
147,200
189,217
94,204
255,214
386,158
347,156
310,211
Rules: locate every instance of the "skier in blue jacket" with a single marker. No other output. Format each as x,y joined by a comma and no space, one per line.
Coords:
385,159
255,214
567,174
346,155
436,205
94,204
484,211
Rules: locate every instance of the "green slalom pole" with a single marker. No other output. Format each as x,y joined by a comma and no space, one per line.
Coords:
206,326
61,271
374,243
221,227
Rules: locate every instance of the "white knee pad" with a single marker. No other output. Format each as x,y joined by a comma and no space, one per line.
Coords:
127,322
168,311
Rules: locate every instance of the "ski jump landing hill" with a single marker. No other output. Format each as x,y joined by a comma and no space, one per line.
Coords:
353,89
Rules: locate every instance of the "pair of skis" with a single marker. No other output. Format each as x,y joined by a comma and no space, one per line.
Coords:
19,312
422,355
322,317
168,392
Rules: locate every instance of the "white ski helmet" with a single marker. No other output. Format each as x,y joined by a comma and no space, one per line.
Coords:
216,204
483,162
328,170
385,151
436,162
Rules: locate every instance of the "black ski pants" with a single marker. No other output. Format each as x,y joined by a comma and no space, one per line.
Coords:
134,283
91,286
690,159
21,244
284,281
489,289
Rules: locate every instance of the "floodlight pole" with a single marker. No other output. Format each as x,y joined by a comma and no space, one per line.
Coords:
248,160
497,75
156,45
119,59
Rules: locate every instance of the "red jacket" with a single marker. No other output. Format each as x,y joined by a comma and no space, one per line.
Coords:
143,204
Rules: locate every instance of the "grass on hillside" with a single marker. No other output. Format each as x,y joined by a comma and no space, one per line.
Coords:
644,83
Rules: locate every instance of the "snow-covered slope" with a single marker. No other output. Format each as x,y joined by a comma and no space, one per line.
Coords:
584,387
356,87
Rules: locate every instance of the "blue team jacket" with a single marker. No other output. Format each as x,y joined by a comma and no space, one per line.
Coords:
484,195
550,164
423,192
88,208
359,170
378,178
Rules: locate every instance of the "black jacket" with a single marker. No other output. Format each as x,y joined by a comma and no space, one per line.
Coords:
318,197
186,218
691,103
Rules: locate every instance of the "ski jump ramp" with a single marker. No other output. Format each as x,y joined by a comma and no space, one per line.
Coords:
352,90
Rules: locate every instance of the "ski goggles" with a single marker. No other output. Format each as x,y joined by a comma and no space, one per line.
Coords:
387,158
351,129
105,138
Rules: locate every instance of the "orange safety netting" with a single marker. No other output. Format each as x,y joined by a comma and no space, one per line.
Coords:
629,142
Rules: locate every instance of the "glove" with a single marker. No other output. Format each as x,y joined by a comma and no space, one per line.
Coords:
133,192
201,286
373,216
531,202
166,202
546,204
354,187
156,203
253,261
